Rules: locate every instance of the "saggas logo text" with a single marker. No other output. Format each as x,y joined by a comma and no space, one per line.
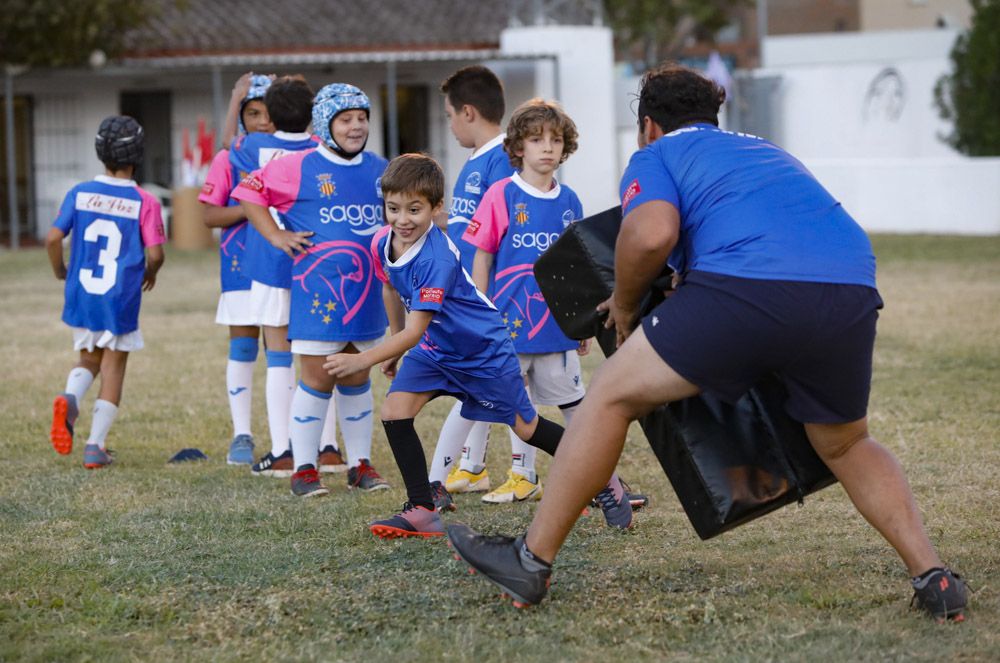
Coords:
364,219
540,241
462,207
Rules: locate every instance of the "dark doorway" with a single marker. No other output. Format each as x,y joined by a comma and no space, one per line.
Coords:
152,110
413,115
23,169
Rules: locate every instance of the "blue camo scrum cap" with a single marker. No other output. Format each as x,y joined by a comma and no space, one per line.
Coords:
258,87
119,140
332,100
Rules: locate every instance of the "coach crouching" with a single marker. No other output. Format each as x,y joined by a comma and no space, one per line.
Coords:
775,277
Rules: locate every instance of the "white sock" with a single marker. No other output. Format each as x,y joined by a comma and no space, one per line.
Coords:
104,416
355,407
522,457
474,451
451,440
79,382
279,403
308,413
568,413
329,436
239,385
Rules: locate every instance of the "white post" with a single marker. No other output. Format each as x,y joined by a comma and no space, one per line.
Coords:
15,226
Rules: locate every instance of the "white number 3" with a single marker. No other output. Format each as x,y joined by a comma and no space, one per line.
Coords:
107,258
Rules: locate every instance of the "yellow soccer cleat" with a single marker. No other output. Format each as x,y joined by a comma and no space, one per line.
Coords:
516,488
464,481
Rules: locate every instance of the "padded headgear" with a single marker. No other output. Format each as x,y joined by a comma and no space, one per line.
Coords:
119,140
258,88
331,101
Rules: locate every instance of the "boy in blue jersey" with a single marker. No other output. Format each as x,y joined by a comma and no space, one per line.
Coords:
474,105
519,217
456,341
221,211
116,233
775,277
331,204
288,102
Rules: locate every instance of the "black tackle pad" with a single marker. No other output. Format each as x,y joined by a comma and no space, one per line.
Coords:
728,463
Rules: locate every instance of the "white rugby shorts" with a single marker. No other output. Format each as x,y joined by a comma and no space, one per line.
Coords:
323,348
235,309
269,306
85,339
553,378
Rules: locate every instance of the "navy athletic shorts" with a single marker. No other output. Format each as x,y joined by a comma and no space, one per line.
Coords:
496,399
724,333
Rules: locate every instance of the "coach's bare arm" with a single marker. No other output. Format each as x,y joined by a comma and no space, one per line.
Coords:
647,236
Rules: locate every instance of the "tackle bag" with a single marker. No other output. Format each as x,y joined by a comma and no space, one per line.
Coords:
728,463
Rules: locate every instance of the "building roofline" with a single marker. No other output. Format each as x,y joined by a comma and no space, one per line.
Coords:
319,57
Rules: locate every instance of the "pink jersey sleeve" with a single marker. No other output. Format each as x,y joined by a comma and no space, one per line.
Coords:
151,220
219,181
275,185
489,223
377,257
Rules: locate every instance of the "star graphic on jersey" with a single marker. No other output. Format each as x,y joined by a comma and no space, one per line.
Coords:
312,310
513,334
236,264
505,320
331,305
315,302
326,319
517,323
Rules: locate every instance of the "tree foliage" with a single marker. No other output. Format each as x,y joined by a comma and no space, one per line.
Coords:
63,33
970,95
656,30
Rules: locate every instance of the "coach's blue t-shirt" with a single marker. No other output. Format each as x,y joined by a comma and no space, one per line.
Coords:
466,333
748,209
487,165
262,262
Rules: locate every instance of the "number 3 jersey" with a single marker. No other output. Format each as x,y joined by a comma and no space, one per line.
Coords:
335,296
110,222
517,222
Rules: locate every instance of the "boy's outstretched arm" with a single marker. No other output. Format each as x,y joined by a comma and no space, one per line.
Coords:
286,240
154,260
412,330
53,246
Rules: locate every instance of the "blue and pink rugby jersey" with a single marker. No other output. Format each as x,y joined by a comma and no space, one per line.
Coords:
335,296
262,262
487,165
517,223
110,222
219,183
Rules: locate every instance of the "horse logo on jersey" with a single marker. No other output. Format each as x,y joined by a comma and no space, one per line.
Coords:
378,187
327,187
567,217
521,213
517,293
473,183
340,287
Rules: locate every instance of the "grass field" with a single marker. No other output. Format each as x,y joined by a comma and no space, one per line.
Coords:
145,561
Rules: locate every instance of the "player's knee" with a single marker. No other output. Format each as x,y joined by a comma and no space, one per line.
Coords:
834,441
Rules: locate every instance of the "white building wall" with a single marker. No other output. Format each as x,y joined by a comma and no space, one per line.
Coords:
858,110
583,81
